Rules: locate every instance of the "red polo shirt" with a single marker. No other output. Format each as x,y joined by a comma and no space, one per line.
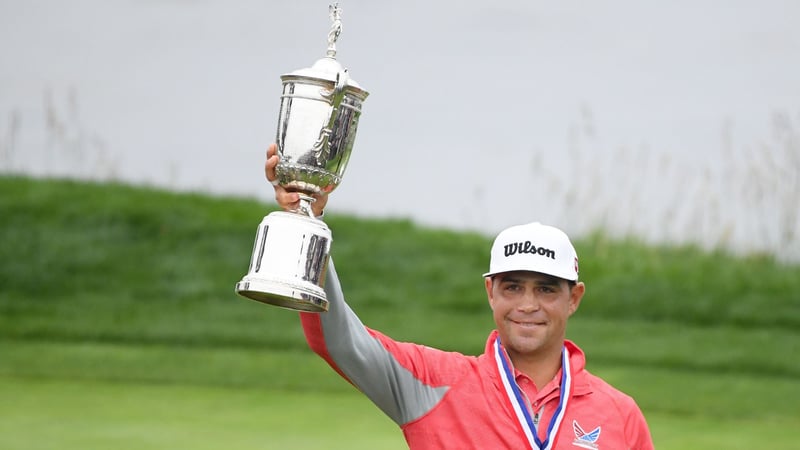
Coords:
447,400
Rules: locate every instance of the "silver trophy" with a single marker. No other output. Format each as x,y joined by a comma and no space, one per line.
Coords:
320,107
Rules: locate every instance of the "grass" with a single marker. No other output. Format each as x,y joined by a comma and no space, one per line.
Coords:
58,413
119,327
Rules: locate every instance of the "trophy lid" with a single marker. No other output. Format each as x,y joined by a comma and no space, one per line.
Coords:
328,68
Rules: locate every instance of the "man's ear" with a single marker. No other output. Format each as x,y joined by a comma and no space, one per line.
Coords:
575,296
488,281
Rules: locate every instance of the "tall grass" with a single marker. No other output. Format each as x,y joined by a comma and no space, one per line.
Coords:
739,196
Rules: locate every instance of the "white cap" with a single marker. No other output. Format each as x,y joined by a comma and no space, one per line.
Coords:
534,247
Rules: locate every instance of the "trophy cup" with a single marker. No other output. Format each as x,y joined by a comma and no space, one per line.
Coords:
320,108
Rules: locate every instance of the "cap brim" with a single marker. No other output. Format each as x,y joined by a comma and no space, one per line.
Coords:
491,274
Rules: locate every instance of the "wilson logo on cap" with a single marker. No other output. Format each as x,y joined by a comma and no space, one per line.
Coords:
527,247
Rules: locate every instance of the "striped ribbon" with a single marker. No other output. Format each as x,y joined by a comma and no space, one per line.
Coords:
519,403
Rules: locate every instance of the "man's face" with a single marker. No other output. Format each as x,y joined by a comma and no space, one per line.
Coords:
531,310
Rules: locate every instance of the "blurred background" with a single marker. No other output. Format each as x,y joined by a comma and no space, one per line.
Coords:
674,122
663,136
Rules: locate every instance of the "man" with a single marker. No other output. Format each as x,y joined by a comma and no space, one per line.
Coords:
529,390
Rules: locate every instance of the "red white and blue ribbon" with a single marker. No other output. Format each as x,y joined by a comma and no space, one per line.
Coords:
520,404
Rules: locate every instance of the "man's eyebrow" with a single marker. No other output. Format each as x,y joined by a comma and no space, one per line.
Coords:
544,280
548,281
510,279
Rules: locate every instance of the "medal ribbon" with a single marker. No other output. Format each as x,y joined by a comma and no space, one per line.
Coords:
518,402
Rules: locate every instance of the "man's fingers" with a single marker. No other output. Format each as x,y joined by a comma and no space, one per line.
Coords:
287,200
287,196
272,162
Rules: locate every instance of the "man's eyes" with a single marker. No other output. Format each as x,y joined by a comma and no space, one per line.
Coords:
519,287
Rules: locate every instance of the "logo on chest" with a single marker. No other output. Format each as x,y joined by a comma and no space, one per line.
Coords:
584,439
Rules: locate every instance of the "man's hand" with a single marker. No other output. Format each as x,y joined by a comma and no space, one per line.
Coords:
289,200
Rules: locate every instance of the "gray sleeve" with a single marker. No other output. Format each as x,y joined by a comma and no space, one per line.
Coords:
364,360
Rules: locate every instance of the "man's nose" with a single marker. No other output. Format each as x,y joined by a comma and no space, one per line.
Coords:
529,302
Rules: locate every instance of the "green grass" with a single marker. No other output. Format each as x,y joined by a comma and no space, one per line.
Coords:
119,327
57,413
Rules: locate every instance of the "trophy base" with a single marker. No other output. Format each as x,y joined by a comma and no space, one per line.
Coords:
290,257
283,295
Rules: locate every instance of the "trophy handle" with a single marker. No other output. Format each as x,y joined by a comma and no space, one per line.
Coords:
335,96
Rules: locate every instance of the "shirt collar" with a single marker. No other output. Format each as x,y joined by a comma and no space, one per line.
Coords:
577,359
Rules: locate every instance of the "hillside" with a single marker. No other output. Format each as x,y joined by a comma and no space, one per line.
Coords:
113,282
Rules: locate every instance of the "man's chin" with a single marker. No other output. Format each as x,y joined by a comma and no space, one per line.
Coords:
524,343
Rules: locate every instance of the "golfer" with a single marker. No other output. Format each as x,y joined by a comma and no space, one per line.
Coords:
528,390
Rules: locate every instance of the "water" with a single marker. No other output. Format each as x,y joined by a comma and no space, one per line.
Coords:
674,121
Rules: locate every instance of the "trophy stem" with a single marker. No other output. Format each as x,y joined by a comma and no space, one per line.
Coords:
305,205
